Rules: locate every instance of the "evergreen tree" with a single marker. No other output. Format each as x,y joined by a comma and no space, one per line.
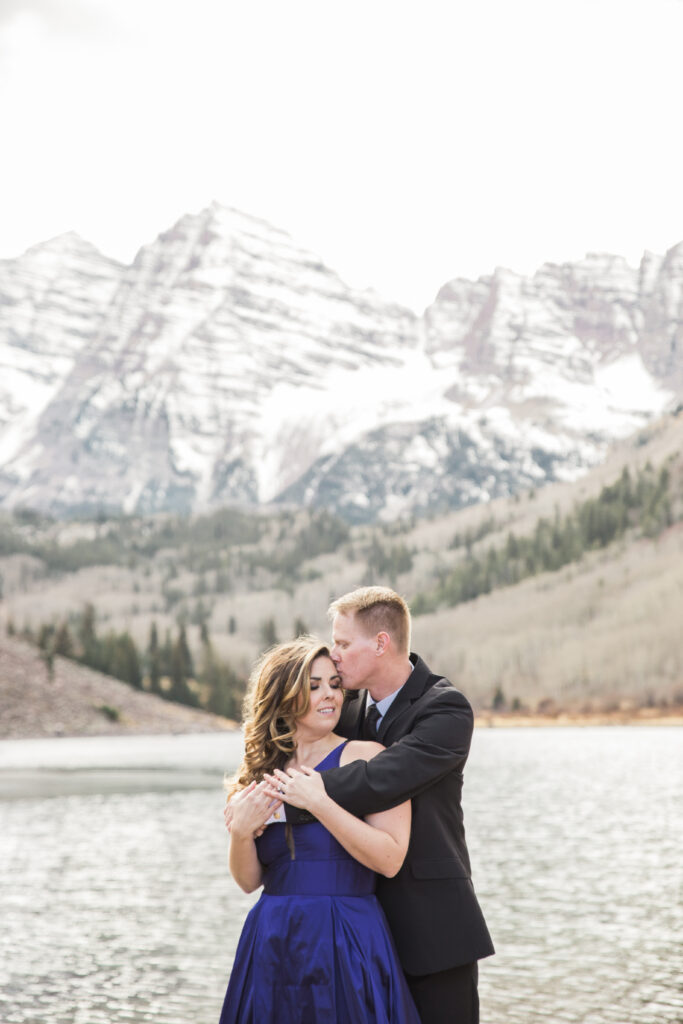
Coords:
154,660
498,702
49,659
181,667
45,636
63,642
204,634
124,661
225,689
184,650
166,655
268,633
90,653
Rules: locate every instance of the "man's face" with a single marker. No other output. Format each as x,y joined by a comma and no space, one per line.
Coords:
353,652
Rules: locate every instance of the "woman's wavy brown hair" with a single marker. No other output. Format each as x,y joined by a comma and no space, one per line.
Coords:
278,693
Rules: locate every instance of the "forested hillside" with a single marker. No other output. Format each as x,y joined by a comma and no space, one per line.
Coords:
564,597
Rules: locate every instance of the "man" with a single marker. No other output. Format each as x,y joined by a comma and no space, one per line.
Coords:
426,724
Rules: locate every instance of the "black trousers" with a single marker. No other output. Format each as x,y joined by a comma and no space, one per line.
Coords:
447,997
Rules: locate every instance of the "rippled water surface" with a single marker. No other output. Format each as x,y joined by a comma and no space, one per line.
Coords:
116,905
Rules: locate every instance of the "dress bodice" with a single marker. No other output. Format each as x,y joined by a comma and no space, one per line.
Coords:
320,865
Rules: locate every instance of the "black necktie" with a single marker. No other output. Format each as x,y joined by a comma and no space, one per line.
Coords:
370,721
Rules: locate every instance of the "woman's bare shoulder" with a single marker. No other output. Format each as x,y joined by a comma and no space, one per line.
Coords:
360,750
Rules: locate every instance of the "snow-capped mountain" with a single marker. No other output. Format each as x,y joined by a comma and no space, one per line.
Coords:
51,301
229,365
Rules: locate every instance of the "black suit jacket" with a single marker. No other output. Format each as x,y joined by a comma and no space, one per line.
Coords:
431,906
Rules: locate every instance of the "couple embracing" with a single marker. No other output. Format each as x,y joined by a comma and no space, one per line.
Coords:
347,809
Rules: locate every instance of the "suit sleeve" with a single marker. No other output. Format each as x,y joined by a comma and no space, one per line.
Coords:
438,744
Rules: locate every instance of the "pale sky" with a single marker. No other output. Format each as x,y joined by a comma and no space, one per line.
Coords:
405,142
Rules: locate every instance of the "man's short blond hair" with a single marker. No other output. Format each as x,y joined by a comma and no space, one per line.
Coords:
377,609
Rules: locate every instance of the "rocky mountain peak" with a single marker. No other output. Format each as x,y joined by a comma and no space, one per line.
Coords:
65,244
228,364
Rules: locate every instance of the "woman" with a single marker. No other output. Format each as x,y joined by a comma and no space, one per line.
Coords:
316,948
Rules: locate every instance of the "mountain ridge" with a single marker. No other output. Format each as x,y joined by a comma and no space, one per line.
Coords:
228,365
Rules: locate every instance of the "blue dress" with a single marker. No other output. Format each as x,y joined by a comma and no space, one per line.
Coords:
316,948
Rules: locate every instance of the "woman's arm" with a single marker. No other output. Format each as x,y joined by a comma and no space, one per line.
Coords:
380,842
249,814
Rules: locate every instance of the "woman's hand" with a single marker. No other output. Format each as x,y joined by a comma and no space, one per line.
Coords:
250,809
301,787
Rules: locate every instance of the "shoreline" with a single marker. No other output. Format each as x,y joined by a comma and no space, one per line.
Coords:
482,720
528,720
178,721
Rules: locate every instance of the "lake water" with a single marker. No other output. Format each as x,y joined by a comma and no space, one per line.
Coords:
116,905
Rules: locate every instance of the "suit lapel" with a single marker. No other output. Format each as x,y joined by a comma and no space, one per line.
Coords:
409,693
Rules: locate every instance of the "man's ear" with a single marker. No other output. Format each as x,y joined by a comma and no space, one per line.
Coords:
383,642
